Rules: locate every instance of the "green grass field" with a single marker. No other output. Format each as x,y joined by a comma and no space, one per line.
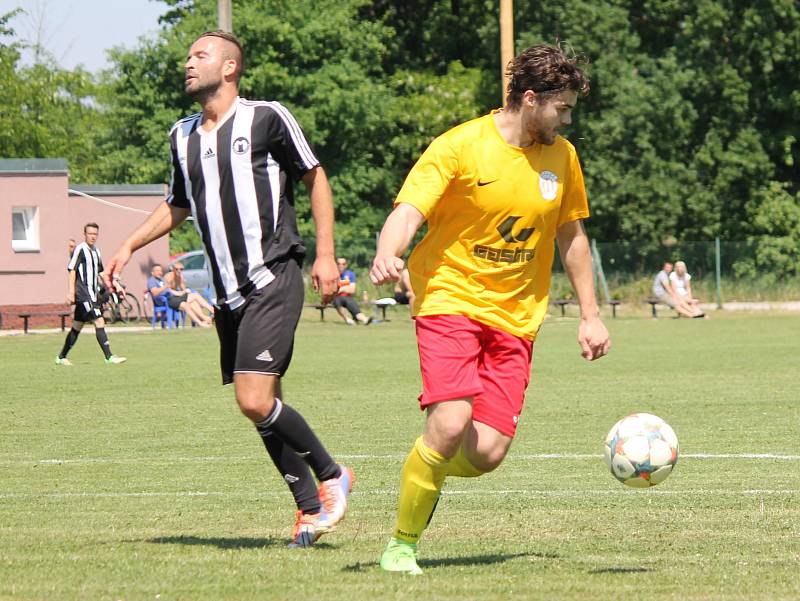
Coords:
143,481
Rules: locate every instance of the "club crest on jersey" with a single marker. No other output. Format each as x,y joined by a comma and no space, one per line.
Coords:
548,185
241,145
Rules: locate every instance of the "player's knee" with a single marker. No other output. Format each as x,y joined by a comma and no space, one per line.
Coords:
488,460
255,405
446,436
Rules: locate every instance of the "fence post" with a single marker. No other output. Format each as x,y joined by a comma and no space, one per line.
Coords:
597,264
718,258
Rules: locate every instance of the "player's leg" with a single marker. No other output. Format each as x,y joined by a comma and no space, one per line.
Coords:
504,370
72,335
262,337
258,398
102,337
449,350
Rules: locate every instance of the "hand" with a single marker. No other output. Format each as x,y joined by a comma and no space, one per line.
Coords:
114,268
386,269
593,338
325,278
70,298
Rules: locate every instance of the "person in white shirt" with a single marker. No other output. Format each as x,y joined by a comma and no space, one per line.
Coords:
681,282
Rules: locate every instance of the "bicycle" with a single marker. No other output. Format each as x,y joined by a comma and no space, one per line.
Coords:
121,306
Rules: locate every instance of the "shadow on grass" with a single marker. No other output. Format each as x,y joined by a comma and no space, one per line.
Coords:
617,570
473,560
219,542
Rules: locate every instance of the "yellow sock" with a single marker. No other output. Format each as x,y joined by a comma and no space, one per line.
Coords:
461,467
421,480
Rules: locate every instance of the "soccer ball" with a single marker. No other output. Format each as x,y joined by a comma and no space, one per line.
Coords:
641,450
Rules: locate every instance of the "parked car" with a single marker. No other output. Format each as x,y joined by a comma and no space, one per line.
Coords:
195,270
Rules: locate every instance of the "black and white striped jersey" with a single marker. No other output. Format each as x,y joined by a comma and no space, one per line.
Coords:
88,265
238,181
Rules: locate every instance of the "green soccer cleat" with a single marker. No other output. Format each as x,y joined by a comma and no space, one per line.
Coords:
114,360
400,556
63,361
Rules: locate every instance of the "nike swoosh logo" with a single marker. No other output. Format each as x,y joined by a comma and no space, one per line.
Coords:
480,183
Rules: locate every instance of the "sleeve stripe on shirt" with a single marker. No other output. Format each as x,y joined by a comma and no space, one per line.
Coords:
297,134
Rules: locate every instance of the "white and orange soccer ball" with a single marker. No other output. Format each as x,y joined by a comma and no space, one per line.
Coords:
641,450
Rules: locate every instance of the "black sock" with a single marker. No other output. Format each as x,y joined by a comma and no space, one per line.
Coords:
295,473
292,429
72,336
102,340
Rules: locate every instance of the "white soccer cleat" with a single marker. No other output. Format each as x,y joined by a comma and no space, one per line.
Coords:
333,495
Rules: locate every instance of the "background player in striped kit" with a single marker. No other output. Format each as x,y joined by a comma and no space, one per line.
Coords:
233,168
85,269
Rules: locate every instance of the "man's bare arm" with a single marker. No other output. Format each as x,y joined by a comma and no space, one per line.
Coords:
161,221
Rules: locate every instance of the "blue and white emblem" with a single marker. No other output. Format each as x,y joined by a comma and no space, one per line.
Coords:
548,185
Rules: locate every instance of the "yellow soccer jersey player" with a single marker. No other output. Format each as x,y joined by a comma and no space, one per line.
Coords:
497,194
492,211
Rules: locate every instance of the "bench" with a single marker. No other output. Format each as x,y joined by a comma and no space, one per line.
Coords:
383,304
321,309
562,302
318,307
653,302
26,316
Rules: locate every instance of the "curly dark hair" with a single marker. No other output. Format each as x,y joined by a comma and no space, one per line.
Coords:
546,70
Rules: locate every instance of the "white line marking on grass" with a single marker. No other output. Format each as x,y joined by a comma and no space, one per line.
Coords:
398,457
615,491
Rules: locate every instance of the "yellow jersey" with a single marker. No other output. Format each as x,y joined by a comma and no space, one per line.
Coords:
493,210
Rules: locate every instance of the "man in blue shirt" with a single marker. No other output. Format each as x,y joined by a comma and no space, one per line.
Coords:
345,296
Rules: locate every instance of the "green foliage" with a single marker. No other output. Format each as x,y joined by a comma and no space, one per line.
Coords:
184,238
46,111
689,132
775,215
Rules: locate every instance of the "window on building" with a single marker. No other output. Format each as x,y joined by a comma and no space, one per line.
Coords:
25,229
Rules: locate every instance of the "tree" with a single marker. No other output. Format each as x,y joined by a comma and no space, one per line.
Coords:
45,111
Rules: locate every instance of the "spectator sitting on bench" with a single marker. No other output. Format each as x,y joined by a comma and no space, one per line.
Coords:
344,297
665,293
681,283
182,298
403,292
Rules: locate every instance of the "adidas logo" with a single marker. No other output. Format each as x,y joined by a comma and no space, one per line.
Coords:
209,154
290,479
264,356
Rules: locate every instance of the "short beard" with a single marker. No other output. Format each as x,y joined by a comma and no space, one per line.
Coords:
204,93
541,137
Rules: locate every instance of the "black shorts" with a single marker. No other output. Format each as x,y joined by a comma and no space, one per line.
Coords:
174,302
258,337
401,298
87,311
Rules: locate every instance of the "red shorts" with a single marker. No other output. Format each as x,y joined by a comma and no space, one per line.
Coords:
461,358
